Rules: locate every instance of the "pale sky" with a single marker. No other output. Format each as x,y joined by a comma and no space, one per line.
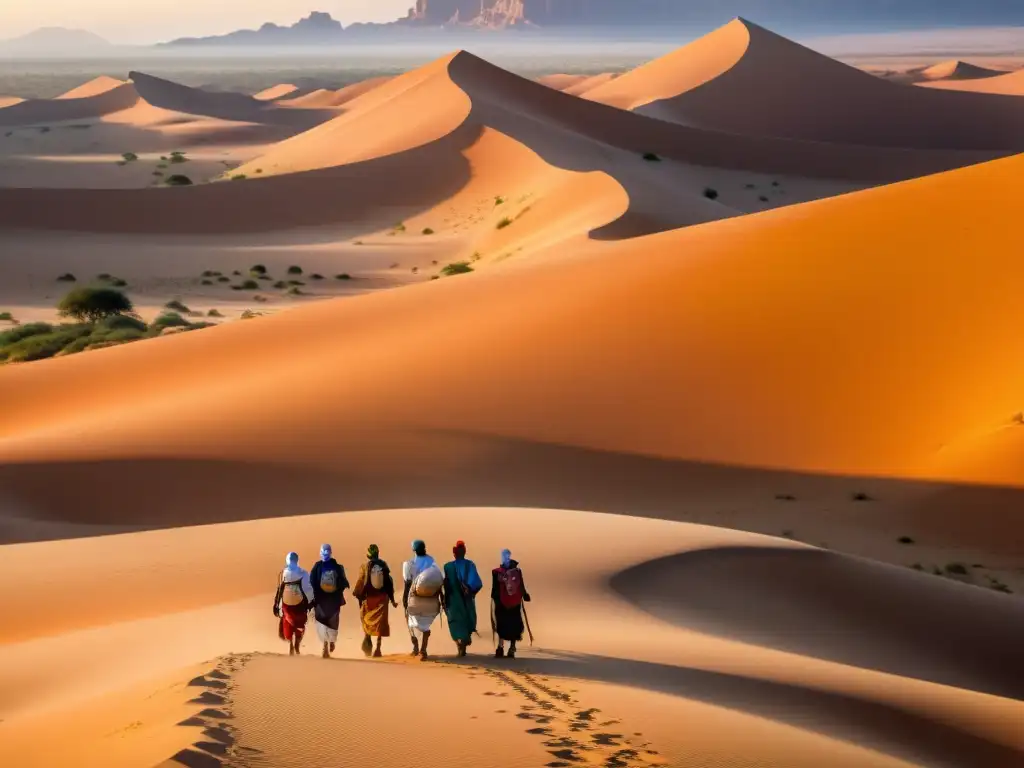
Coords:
150,21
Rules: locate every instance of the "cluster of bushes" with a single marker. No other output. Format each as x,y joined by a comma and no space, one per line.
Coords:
98,317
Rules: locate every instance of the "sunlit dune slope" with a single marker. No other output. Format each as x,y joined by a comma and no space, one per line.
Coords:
856,335
97,102
1009,84
957,70
745,79
275,92
94,87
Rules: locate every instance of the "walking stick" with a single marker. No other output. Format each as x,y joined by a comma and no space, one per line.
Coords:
494,628
527,620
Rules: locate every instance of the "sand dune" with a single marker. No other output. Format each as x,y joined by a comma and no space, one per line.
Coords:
275,92
40,111
575,85
745,79
94,87
1009,84
957,70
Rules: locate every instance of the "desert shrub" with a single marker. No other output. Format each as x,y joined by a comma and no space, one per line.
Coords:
206,282
316,276
415,270
476,256
861,497
8,317
67,277
905,540
250,285
117,282
957,569
93,304
164,158
433,277
168,320
295,291
236,273
775,183
257,269
42,345
763,198
711,194
750,186
784,497
130,157
23,332
162,166
651,157
210,273
178,157
238,177
250,314
158,173
399,227
294,270
280,285
176,305
504,223
223,279
295,282
499,200
119,322
428,231
214,313
259,170
119,336
456,268
343,276
103,276
178,180
260,299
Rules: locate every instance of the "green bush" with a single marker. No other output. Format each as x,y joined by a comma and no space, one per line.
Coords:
214,313
238,177
169,320
120,335
23,331
651,157
250,285
257,269
177,306
130,157
223,279
43,345
316,276
67,277
456,268
93,304
178,157
118,323
294,270
206,282
428,231
295,291
343,276
499,200
280,285
211,273
8,317
504,223
178,180
295,282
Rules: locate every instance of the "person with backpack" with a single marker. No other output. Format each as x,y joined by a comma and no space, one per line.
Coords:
422,596
458,597
374,589
508,593
329,585
292,602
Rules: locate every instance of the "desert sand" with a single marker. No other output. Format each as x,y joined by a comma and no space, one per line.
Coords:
1004,84
732,376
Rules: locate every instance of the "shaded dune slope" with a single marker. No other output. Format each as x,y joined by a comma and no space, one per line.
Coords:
789,341
68,107
454,100
827,605
957,70
745,79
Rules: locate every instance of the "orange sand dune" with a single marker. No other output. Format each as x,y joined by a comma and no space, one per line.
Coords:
94,87
957,70
745,79
589,83
6,101
39,111
560,81
1009,84
275,92
849,338
236,107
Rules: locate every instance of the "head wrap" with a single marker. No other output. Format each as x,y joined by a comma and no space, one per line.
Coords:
506,557
459,549
372,552
292,559
419,547
325,552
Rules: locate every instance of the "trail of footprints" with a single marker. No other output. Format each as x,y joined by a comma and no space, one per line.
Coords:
574,736
217,746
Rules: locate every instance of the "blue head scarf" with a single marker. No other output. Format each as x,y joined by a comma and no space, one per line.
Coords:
506,557
325,552
292,559
419,547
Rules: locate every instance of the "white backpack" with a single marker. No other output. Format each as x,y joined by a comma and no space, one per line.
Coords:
428,582
377,576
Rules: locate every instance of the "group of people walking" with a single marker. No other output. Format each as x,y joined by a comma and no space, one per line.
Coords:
428,591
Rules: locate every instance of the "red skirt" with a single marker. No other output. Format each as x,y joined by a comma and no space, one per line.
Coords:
293,621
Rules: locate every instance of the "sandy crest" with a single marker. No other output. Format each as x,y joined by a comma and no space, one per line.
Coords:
885,703
744,79
955,69
1008,84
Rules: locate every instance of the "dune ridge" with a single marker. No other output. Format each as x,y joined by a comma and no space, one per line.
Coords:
955,69
1009,84
745,79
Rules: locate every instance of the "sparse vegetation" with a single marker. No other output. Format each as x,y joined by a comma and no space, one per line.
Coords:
295,282
236,273
170,320
763,198
651,157
499,200
223,279
177,306
130,157
260,299
456,268
67,277
476,256
917,567
295,291
784,497
316,276
206,282
343,276
178,157
861,497
250,314
280,285
214,313
294,270
957,569
93,304
178,180
259,170
775,183
248,285
239,177
504,223
905,540
211,273
428,231
158,173
750,186
7,317
399,227
257,269
710,193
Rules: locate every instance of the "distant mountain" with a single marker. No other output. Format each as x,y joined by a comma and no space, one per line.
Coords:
640,13
316,29
49,41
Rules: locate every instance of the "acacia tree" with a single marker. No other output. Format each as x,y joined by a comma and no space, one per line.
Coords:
93,304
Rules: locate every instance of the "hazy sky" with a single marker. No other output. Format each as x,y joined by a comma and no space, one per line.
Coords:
147,21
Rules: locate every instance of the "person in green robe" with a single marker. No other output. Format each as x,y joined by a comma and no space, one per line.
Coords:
461,584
